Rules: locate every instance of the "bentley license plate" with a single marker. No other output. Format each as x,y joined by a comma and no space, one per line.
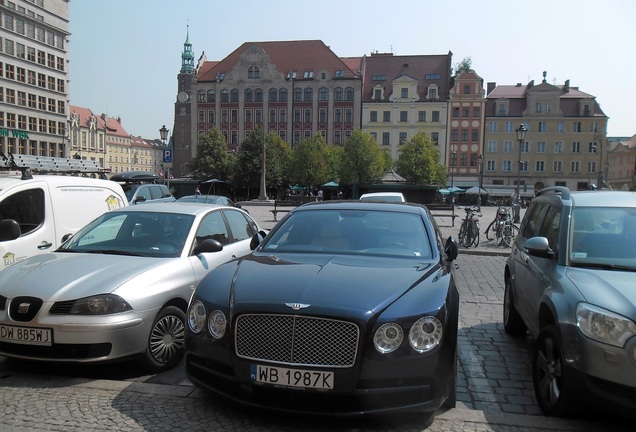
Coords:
292,377
26,335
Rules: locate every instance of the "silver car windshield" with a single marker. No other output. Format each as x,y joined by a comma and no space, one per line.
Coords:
382,233
150,234
604,237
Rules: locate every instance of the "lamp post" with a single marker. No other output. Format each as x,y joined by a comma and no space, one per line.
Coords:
521,137
453,159
164,140
262,196
598,148
481,180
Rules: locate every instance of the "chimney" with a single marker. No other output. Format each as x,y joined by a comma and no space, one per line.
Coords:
491,87
566,88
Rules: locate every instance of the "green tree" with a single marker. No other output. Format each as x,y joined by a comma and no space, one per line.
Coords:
419,162
278,158
249,165
464,66
362,160
310,162
212,159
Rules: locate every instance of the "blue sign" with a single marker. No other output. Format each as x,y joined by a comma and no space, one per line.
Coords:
167,156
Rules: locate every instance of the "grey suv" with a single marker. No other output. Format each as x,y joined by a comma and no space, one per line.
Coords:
570,281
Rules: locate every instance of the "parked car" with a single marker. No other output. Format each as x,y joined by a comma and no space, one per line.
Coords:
143,187
120,286
569,281
209,199
354,304
383,196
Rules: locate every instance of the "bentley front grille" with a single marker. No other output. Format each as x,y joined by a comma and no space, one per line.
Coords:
296,340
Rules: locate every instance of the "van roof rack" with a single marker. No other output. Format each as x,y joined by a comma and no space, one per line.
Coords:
44,164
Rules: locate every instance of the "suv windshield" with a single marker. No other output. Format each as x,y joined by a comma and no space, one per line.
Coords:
603,235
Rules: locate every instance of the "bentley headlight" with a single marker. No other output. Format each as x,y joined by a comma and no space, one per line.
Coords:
196,316
100,305
217,324
388,338
426,334
604,326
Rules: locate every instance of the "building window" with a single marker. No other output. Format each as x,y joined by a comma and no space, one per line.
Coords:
298,95
404,93
272,116
542,127
541,147
507,166
435,116
248,95
258,116
454,135
323,94
464,135
576,127
224,116
557,166
402,137
337,117
201,116
386,116
466,88
273,95
211,119
322,115
574,167
455,112
282,95
296,115
385,138
474,135
432,93
282,115
337,137
373,116
465,112
435,137
576,147
253,72
507,147
258,95
421,116
234,116
307,115
308,74
248,116
404,116
377,94
200,96
296,137
348,115
337,94
539,166
309,94
476,112
509,127
225,95
558,147
349,93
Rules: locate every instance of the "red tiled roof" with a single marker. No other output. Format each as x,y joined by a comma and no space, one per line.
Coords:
286,56
112,125
415,66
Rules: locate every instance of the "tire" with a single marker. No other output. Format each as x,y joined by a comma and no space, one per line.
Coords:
513,324
490,231
551,386
462,233
476,231
166,341
468,236
508,234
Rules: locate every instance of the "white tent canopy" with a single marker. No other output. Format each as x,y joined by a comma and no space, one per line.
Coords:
476,190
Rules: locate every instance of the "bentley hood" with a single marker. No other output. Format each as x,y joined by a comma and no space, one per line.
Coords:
366,284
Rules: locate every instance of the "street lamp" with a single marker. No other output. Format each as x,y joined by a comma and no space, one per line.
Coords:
598,148
521,137
164,140
453,159
262,196
481,180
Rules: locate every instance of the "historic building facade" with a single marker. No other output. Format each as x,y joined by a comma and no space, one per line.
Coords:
565,143
297,89
34,77
621,172
405,95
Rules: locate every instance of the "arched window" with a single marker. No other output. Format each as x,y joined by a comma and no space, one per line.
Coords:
249,95
349,93
337,94
258,95
282,95
211,95
273,95
323,94
225,95
298,95
253,72
201,96
234,95
309,93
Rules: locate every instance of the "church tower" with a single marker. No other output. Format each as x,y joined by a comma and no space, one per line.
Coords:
183,147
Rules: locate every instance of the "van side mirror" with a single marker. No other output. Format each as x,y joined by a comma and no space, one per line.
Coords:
9,229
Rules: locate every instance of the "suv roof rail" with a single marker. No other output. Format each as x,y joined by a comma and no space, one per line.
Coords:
44,164
556,190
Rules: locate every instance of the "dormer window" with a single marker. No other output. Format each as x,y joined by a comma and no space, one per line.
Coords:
404,93
431,92
308,74
253,72
340,74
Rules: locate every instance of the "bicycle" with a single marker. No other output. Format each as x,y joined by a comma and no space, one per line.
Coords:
469,229
501,229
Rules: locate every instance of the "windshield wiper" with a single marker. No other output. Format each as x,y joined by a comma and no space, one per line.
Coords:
110,252
604,266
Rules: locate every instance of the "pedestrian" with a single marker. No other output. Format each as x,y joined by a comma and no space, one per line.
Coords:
197,192
320,195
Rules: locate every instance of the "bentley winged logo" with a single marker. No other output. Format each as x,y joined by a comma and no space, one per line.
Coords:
297,306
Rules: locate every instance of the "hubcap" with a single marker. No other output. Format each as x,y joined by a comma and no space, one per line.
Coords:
167,338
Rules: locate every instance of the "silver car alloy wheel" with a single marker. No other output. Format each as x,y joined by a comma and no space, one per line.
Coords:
167,338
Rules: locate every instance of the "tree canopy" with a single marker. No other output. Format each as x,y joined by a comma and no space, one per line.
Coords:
362,160
310,162
419,162
212,159
250,156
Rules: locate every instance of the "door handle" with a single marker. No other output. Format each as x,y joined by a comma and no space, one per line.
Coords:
44,245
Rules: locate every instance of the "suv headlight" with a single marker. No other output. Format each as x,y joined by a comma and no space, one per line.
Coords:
604,326
100,305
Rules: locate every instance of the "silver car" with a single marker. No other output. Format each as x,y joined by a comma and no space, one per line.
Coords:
120,286
570,283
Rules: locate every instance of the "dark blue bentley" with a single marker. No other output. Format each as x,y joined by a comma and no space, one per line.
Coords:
345,307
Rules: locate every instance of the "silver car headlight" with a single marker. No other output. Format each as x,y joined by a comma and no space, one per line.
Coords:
604,326
426,334
196,316
217,324
100,305
388,338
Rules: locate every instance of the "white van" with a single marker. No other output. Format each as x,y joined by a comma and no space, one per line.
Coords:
37,211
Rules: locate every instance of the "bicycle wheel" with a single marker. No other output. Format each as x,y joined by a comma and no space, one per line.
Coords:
469,235
462,232
476,231
508,234
490,231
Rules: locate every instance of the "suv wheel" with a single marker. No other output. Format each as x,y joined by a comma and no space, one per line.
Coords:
551,386
513,324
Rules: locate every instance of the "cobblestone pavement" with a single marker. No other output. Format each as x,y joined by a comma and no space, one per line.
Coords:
494,383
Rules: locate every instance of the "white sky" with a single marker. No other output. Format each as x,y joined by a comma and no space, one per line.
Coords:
126,54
